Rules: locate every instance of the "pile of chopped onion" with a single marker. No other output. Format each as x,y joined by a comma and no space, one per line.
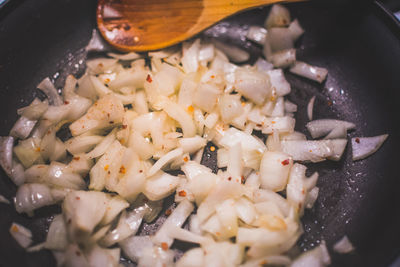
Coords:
132,123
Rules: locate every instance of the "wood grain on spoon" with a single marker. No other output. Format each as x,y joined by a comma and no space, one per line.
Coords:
143,25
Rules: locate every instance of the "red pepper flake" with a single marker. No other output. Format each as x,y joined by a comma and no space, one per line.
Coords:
124,126
77,253
78,198
76,158
37,149
122,169
106,167
212,76
242,179
262,263
285,162
259,125
107,80
69,221
148,78
109,172
330,103
140,171
229,178
168,212
185,159
100,65
164,246
15,229
66,102
212,148
273,122
182,193
357,140
111,122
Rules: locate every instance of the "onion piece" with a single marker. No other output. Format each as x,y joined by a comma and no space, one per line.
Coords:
22,128
252,84
363,147
278,81
22,235
192,258
317,257
164,160
257,34
280,39
303,69
6,153
128,225
57,235
97,43
310,108
98,256
295,29
160,185
318,128
274,170
314,151
48,88
263,65
84,209
234,53
35,110
33,196
279,16
343,245
192,144
176,219
182,117
283,58
4,200
133,246
272,259
190,56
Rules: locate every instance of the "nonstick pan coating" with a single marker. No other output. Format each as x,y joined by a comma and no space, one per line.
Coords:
358,45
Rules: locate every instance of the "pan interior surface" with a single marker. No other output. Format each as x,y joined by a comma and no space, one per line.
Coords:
357,46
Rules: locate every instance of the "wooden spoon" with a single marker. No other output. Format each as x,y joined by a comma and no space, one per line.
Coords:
143,25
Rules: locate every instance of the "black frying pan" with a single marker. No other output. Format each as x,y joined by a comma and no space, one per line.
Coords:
360,46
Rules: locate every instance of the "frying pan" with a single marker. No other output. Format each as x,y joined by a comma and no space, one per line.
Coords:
359,45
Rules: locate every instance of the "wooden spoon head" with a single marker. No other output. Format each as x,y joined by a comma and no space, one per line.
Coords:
142,25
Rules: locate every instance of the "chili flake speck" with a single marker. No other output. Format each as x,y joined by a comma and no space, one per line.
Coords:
212,148
168,212
106,167
148,78
182,193
357,140
164,246
285,162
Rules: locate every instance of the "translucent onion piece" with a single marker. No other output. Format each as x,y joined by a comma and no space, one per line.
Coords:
317,257
295,29
317,74
310,108
57,234
318,128
176,219
6,153
363,147
283,58
22,235
4,200
33,196
133,246
22,128
257,34
274,170
234,53
48,88
97,43
343,245
253,85
279,16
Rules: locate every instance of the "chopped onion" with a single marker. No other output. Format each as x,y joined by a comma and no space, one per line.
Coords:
57,234
164,160
6,153
33,196
363,147
252,84
4,200
318,128
133,246
343,245
97,43
257,34
317,257
280,39
234,53
295,29
176,219
22,128
283,58
314,151
279,16
310,108
22,235
48,88
317,74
